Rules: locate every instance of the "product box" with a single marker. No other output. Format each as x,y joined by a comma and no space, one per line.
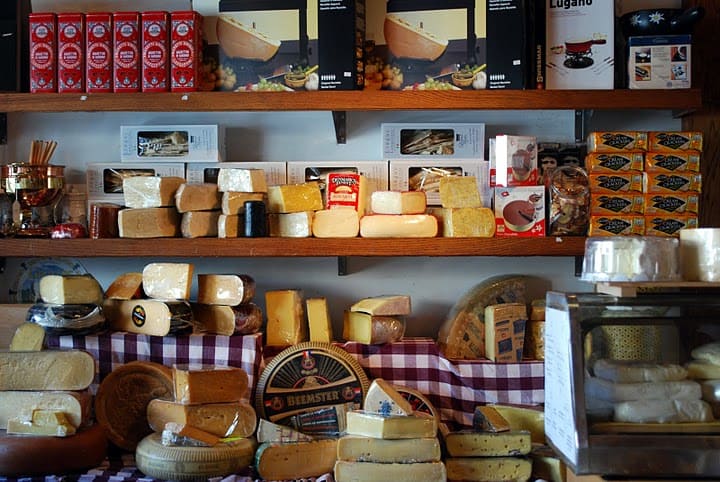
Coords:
43,46
516,161
376,172
185,50
105,181
427,45
186,143
508,39
580,45
71,52
98,52
155,52
273,45
556,154
126,52
520,211
207,172
659,62
424,175
436,141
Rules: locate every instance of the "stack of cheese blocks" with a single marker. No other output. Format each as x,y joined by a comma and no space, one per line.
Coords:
377,320
398,214
224,305
645,392
463,215
292,211
237,187
164,310
388,441
491,452
286,321
199,205
705,368
150,210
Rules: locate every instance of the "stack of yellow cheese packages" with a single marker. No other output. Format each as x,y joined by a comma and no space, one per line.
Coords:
463,215
387,440
225,305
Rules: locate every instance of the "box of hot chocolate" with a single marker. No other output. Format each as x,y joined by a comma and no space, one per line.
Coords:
43,45
520,211
71,52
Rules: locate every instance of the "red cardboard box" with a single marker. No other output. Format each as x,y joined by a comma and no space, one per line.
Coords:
71,52
98,52
43,45
185,50
126,47
155,52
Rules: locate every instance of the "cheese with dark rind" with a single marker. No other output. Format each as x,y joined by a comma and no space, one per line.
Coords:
209,384
488,468
225,289
70,289
67,319
372,330
242,319
28,337
467,443
197,197
199,224
150,191
290,461
126,286
46,370
285,313
233,419
76,405
168,281
346,471
353,448
149,317
149,223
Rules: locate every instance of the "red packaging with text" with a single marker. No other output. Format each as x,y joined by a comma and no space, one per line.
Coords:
43,45
185,50
98,52
71,52
155,52
126,48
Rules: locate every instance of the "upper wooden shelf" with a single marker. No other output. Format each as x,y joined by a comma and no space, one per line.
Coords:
290,247
368,100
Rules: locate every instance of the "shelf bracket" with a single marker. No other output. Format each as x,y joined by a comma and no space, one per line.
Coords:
578,266
342,265
2,265
581,120
340,121
3,128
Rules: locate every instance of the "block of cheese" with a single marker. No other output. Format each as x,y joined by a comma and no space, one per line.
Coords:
127,286
76,405
233,203
46,370
28,337
292,461
149,223
293,198
150,191
398,226
229,225
467,443
505,331
662,411
197,197
209,384
336,223
346,471
372,330
486,418
232,419
285,313
199,224
148,317
382,398
528,418
268,431
70,289
702,370
459,192
291,225
241,180
184,435
398,202
319,321
622,392
225,289
462,334
629,371
383,305
43,422
400,451
226,320
168,281
547,465
468,222
709,352
488,468
369,424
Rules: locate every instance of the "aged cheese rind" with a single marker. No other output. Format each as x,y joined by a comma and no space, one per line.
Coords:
293,198
291,225
150,191
368,424
384,305
229,225
488,444
459,192
197,197
70,289
285,318
346,471
75,404
46,370
242,180
290,461
225,320
468,223
336,223
199,224
662,411
126,286
319,321
149,223
398,226
382,398
148,317
353,448
209,384
28,337
488,468
232,419
225,289
398,202
372,330
630,371
168,281
621,392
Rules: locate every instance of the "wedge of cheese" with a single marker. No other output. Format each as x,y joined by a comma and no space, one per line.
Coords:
486,418
285,313
459,192
168,281
382,398
241,180
383,305
293,198
233,419
271,432
319,321
28,337
225,289
528,418
398,202
149,223
46,370
467,443
199,224
291,225
505,331
371,330
43,422
233,203
176,434
197,197
346,471
398,226
401,451
336,223
150,191
468,222
126,286
368,424
70,289
76,405
209,384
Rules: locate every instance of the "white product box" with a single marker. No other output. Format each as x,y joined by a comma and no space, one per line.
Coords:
659,62
520,211
200,172
439,141
515,161
424,175
376,172
105,181
579,45
178,143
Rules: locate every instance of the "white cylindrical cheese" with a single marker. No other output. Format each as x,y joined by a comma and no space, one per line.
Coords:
398,226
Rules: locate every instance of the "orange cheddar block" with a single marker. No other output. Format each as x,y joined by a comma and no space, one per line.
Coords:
195,384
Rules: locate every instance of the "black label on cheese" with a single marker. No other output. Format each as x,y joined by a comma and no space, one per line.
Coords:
669,163
614,204
618,141
672,141
613,162
138,315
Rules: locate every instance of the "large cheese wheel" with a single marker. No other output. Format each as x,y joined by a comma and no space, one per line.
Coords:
408,41
238,40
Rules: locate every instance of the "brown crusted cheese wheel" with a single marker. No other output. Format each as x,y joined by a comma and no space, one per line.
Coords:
122,399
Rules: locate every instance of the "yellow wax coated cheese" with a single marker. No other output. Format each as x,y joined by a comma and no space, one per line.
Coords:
285,318
149,223
209,384
197,197
150,191
241,180
70,289
293,198
369,424
336,223
468,443
459,192
468,222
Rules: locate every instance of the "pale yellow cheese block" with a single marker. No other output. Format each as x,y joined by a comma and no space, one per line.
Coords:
11,316
241,180
197,197
505,331
353,448
370,471
291,225
225,289
168,281
76,405
525,418
368,424
468,443
468,223
228,320
150,191
233,419
28,337
293,198
229,225
46,370
382,398
488,468
285,313
487,419
384,305
398,202
149,223
290,461
398,226
199,224
233,203
209,384
459,192
43,422
146,317
176,432
319,321
336,223
127,286
70,289
370,330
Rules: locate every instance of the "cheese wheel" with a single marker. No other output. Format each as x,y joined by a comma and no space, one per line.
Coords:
372,330
398,202
291,461
149,317
241,41
488,468
346,471
409,41
46,370
399,226
75,405
369,424
488,444
336,223
70,289
67,319
403,451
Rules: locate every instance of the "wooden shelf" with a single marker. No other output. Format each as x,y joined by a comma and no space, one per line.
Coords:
369,100
290,247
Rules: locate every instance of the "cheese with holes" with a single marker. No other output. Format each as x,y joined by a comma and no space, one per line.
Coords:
197,197
372,330
168,281
291,225
291,461
505,332
28,337
199,224
382,398
293,198
147,316
486,418
43,422
272,432
369,424
232,419
225,289
241,180
488,468
662,411
187,435
319,320
149,223
150,191
400,451
398,202
468,222
398,226
621,392
336,223
209,384
226,320
76,405
229,226
466,443
629,371
383,305
703,370
127,286
459,192
70,289
46,370
233,203
346,471
531,419
285,318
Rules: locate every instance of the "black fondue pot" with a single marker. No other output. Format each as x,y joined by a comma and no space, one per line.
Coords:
660,21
